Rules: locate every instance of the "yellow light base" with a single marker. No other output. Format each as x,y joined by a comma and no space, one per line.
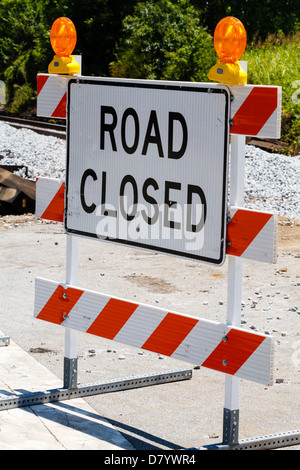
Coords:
64,65
231,73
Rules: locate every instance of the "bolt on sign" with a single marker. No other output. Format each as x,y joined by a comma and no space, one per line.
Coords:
147,165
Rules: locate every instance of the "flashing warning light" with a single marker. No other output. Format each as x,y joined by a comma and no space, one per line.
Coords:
63,39
230,40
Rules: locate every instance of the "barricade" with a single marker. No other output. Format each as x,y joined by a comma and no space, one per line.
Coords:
226,111
228,348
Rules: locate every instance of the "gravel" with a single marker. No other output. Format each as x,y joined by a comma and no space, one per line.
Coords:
43,155
272,181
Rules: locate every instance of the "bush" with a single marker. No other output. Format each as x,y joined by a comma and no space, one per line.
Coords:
23,44
164,40
259,18
25,48
24,98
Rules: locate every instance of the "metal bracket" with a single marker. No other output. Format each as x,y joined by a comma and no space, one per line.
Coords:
60,394
230,426
4,340
231,441
270,441
70,372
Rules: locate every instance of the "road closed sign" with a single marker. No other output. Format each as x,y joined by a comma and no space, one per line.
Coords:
147,165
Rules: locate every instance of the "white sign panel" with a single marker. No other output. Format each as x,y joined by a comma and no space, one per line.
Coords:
147,165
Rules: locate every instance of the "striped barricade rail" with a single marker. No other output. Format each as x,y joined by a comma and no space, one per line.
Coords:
52,95
50,199
250,234
217,346
255,109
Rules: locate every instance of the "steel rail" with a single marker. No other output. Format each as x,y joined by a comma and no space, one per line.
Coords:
36,125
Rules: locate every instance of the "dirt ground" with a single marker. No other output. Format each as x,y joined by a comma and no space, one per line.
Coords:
184,414
288,229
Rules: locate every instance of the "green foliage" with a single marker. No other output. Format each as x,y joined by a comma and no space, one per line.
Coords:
164,39
98,24
276,62
25,48
23,37
259,18
24,98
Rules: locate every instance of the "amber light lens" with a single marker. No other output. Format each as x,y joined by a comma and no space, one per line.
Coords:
63,37
230,39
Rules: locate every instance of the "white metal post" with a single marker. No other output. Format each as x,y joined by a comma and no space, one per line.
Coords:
234,292
70,360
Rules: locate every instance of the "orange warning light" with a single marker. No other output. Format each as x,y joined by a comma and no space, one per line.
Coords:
230,41
63,39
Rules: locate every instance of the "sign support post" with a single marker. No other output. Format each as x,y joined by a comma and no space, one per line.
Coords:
70,359
234,289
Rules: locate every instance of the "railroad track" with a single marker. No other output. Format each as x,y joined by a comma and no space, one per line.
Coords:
37,125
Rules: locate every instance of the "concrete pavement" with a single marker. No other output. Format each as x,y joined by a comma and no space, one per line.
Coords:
65,425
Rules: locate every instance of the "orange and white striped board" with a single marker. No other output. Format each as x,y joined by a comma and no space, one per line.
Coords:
256,110
52,92
252,235
52,95
223,348
50,199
